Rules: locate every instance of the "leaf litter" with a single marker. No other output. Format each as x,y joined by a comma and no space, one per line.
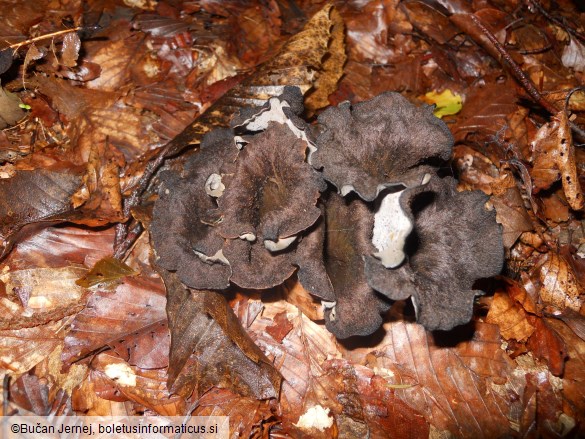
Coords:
77,178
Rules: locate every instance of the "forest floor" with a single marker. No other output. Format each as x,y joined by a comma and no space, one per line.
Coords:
92,91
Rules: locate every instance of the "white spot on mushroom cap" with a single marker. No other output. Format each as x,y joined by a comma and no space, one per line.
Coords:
217,257
275,113
248,237
391,228
279,244
214,186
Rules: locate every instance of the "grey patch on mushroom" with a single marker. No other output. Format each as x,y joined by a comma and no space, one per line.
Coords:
285,110
214,186
391,228
248,237
280,244
217,257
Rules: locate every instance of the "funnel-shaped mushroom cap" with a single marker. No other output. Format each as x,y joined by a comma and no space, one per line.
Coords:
456,241
383,142
357,307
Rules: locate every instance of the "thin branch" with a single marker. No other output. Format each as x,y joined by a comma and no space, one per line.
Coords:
17,46
127,240
522,77
556,21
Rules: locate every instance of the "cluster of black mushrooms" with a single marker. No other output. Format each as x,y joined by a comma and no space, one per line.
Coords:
355,204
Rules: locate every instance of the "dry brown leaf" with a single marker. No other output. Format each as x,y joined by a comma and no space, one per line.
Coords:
485,111
100,193
510,318
34,395
295,294
22,349
61,246
574,373
30,197
107,269
554,159
37,296
145,387
70,49
209,347
332,69
116,60
559,286
450,386
299,359
511,213
10,111
315,378
546,345
248,417
135,306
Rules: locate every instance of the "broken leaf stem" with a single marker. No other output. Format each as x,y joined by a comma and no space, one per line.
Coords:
522,78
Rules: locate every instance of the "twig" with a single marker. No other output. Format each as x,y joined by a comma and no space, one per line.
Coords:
521,77
129,238
17,46
555,20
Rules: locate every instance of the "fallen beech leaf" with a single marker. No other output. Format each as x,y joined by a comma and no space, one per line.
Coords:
281,327
134,307
447,103
574,373
209,347
512,215
295,294
22,349
452,384
61,246
315,376
32,394
42,294
332,68
485,111
100,196
559,286
70,49
10,111
33,197
248,417
105,270
146,387
510,317
546,345
554,159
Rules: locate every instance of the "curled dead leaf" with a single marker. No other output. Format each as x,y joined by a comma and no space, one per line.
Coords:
554,159
559,287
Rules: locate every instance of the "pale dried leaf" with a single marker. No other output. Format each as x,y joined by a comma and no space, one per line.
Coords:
559,285
511,319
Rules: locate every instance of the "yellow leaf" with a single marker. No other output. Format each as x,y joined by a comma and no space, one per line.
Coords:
105,270
447,103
